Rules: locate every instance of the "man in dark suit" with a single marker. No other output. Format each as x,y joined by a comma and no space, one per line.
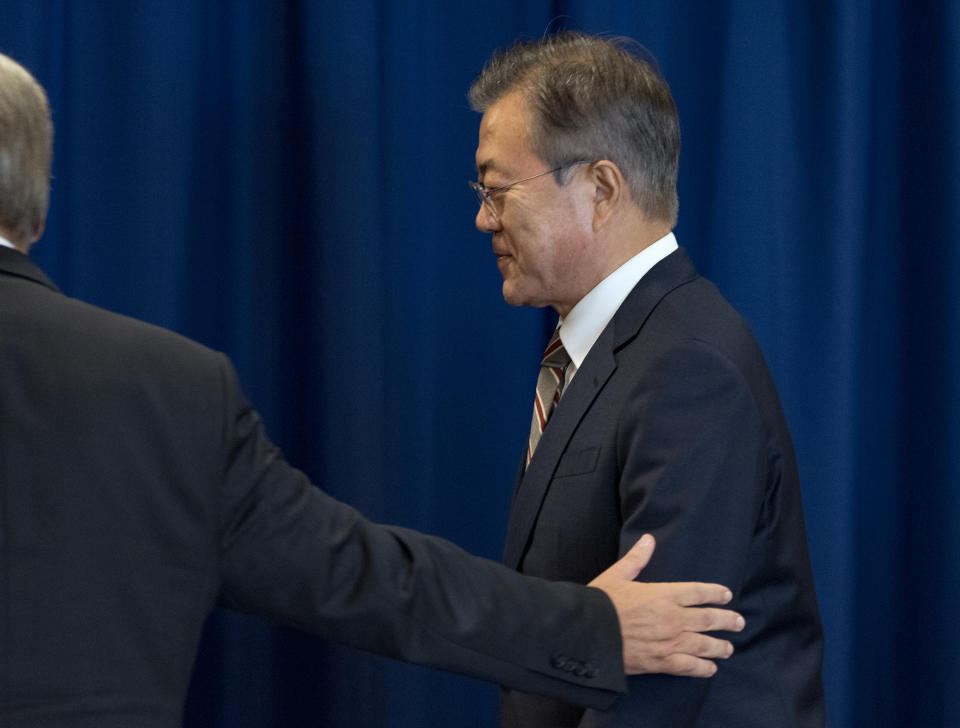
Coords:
138,490
655,410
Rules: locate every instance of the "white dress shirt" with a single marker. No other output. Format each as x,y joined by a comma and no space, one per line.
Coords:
6,243
583,325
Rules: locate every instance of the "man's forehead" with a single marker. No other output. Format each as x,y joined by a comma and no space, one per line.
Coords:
489,155
502,136
505,114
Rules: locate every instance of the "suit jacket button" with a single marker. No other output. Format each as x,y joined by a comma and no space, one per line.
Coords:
588,670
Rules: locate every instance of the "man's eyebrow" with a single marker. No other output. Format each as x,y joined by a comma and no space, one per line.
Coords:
486,166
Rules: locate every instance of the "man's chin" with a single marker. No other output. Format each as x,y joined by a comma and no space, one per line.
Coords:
516,298
511,296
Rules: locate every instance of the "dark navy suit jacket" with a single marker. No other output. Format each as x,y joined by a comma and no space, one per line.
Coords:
672,426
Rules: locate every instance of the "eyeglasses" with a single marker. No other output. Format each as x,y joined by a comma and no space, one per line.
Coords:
486,194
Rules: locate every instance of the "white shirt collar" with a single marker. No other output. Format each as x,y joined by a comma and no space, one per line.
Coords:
583,325
6,243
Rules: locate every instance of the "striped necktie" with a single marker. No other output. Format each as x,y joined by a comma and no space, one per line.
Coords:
549,388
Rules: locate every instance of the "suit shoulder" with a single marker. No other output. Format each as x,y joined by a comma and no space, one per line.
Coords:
696,312
59,334
697,309
127,334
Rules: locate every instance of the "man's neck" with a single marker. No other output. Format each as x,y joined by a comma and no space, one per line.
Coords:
632,234
624,239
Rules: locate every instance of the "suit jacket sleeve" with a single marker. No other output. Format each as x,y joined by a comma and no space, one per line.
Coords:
691,452
291,553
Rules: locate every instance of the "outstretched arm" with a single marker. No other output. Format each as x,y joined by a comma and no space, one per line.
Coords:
661,623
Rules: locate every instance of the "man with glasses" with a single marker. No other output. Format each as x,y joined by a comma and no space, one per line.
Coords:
654,409
138,490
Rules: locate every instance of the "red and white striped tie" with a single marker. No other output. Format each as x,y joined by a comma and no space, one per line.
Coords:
549,388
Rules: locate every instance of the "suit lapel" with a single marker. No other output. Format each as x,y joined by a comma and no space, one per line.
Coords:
598,367
533,484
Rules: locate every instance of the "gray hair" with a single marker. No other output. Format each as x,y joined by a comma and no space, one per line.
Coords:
590,98
26,150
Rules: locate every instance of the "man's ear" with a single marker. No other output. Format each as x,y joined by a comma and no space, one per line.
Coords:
610,191
37,232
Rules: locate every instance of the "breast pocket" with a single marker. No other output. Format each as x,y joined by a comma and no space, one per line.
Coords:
578,462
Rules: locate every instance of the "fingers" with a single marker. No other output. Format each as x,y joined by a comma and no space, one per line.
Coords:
701,645
692,593
689,655
707,619
632,562
665,621
662,621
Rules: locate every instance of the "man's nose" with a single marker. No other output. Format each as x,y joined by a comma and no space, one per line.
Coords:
486,221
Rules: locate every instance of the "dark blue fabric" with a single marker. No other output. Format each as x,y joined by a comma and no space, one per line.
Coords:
285,181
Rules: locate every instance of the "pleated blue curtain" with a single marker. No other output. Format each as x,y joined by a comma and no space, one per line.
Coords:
286,182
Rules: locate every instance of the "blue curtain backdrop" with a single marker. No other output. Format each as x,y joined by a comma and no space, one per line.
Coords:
286,181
